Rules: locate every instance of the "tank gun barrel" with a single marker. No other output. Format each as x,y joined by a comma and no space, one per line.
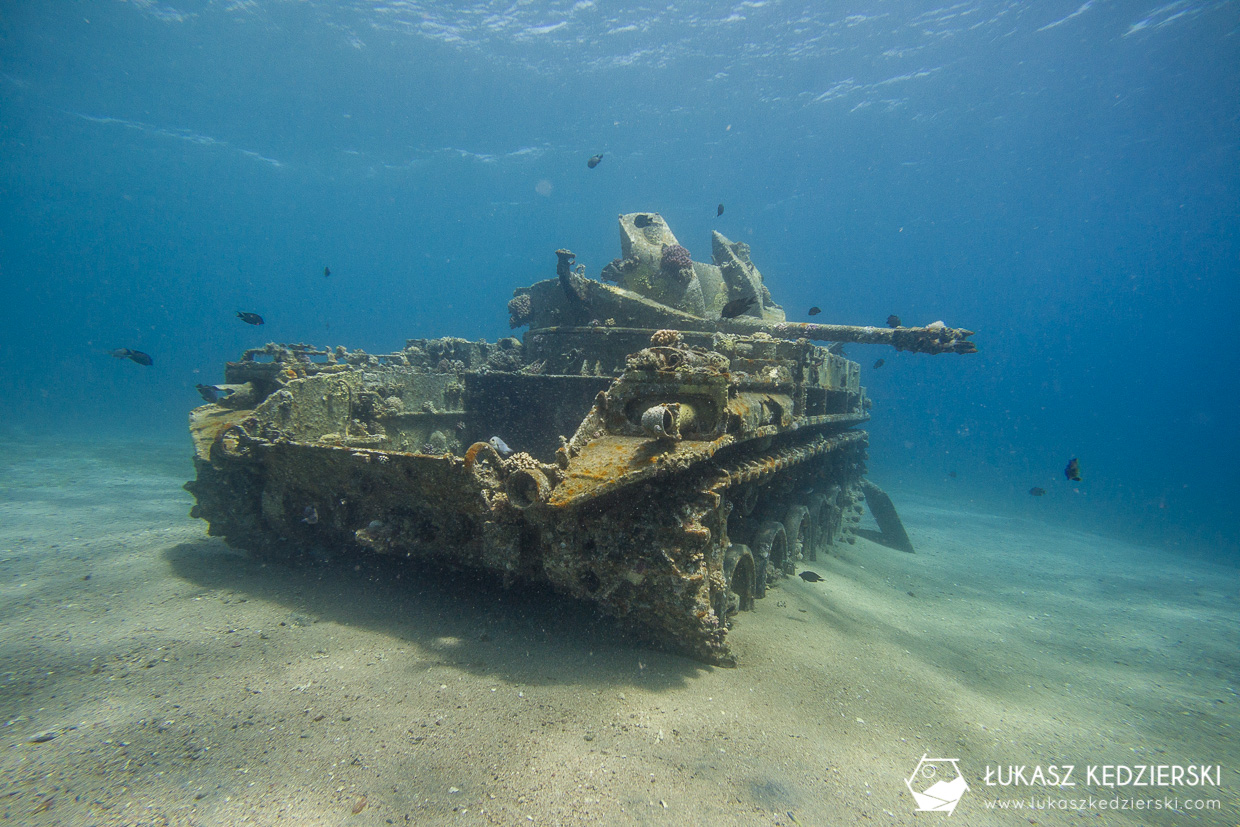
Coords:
933,338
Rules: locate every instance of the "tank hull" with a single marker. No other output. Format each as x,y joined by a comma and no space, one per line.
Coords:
341,453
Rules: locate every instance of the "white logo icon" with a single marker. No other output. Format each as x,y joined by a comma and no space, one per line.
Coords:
936,784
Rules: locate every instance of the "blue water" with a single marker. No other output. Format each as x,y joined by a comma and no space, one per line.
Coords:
1062,177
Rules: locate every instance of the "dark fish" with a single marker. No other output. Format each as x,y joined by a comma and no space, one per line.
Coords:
810,576
951,474
249,318
209,393
719,212
594,160
879,364
133,356
736,307
327,271
1073,471
836,347
311,515
814,311
642,222
893,320
1036,492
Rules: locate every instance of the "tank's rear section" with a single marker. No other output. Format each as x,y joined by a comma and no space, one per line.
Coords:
668,476
321,453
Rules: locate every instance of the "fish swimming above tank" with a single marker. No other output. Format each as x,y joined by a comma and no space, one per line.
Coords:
638,447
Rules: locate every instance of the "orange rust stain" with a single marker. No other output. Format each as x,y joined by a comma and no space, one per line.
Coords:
591,476
471,456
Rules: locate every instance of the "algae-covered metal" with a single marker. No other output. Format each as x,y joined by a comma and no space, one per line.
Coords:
665,463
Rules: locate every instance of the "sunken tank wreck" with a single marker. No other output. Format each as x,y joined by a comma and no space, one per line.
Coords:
670,458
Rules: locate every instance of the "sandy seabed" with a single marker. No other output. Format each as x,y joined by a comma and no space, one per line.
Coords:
153,676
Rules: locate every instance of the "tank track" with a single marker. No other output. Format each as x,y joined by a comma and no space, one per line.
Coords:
714,544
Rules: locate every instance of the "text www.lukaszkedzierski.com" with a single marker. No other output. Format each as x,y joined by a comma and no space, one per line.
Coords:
1167,803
